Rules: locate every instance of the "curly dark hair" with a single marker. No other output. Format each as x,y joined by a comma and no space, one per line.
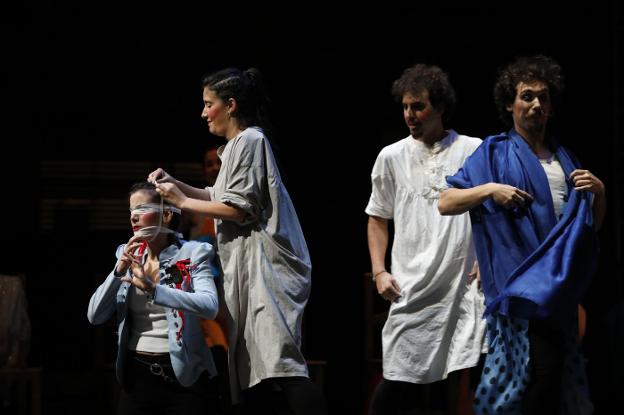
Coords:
420,77
526,69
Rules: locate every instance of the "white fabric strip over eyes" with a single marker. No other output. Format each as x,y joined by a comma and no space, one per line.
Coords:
153,208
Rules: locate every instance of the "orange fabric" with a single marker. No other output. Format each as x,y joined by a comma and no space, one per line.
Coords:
213,333
208,227
582,322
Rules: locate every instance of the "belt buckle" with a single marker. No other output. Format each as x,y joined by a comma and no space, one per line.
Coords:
156,369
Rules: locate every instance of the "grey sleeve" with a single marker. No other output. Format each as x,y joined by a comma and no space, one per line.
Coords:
245,183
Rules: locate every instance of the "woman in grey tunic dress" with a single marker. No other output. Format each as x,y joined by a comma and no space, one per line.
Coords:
266,265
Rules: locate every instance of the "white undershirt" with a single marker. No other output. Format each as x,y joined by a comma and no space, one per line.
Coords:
149,329
556,182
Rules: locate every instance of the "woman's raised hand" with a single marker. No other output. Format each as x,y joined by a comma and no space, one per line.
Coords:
127,257
138,278
171,193
160,176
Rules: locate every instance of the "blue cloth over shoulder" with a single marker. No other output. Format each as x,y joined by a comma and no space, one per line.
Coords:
532,265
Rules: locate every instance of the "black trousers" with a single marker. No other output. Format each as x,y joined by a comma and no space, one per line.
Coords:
284,396
147,393
393,397
546,354
403,398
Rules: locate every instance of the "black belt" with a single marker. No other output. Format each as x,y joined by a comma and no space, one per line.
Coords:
156,368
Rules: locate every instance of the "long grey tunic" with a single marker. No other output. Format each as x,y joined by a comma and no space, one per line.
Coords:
266,265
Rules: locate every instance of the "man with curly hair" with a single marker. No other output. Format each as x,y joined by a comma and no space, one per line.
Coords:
434,325
534,213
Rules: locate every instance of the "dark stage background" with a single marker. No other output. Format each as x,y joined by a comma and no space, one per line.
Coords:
95,96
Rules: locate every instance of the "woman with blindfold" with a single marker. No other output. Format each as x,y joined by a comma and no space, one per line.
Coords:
159,288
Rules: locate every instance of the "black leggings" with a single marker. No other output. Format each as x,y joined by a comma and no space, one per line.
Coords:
284,396
546,354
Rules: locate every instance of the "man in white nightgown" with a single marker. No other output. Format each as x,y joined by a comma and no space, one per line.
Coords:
435,323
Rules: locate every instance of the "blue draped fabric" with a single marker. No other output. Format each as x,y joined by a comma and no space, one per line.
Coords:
532,265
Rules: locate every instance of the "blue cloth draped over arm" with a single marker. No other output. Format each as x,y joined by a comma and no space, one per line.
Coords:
531,264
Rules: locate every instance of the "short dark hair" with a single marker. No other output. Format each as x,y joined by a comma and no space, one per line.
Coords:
421,77
526,69
147,187
212,145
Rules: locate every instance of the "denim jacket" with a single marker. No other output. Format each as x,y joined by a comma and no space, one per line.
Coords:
184,298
